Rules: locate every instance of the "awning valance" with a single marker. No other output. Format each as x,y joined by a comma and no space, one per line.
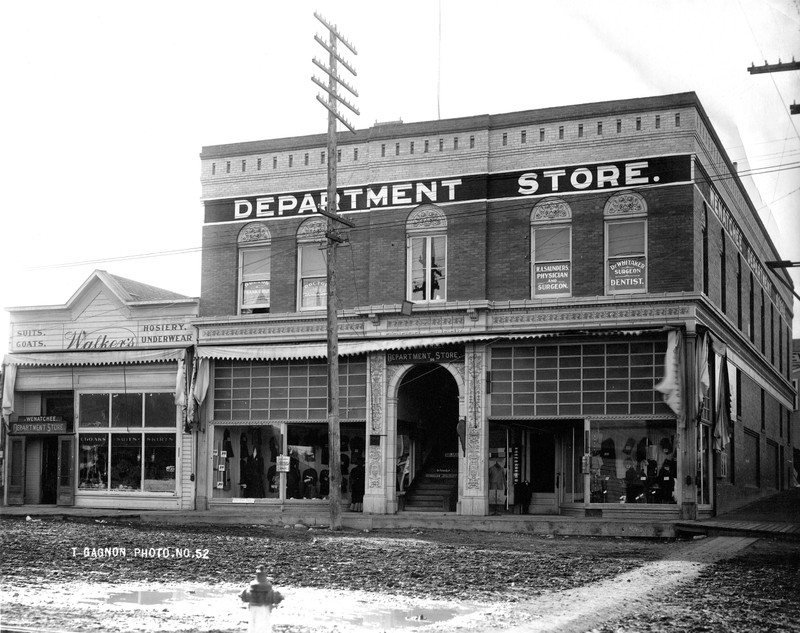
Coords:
118,357
320,350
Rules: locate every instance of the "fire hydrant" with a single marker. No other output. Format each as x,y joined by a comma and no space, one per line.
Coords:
262,598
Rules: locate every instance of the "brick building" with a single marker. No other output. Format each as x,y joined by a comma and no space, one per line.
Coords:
558,311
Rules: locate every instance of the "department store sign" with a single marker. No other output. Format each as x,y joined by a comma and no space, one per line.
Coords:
604,176
90,336
38,425
449,354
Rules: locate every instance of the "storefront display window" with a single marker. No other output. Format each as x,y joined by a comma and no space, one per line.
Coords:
93,462
126,457
159,467
633,461
126,461
246,465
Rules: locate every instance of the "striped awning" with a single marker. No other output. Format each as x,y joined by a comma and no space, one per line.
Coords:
117,357
320,350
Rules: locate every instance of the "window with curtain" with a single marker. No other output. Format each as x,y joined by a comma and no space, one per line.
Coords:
626,244
551,245
427,254
312,282
254,269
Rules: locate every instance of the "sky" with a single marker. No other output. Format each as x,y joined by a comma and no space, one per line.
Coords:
108,104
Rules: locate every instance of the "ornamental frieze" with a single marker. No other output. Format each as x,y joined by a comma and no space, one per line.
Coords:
273,331
426,323
592,315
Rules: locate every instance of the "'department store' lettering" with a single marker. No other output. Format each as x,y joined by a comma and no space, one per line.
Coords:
546,181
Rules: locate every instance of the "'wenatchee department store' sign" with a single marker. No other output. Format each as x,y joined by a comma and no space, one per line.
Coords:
607,176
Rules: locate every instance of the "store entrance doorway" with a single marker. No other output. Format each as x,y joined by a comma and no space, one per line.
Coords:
540,462
427,439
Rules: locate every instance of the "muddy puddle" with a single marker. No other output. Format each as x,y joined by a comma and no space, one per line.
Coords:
355,612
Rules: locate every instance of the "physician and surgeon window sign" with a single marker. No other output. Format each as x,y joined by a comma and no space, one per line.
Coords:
552,279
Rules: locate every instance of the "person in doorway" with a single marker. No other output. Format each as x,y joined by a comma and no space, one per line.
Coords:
497,483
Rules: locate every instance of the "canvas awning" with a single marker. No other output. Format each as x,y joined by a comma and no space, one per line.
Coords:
282,351
118,357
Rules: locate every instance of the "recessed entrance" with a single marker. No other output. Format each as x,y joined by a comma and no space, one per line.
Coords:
427,440
534,466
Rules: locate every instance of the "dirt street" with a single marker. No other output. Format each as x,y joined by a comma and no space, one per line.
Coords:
88,575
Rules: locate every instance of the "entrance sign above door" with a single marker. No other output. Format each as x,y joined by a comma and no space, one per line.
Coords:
39,425
449,354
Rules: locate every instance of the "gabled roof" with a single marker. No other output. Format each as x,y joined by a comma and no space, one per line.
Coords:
127,291
138,292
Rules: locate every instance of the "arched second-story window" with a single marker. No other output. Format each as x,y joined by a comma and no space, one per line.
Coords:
426,254
551,249
254,268
625,216
312,279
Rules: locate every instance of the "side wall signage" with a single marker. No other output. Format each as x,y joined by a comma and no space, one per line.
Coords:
547,181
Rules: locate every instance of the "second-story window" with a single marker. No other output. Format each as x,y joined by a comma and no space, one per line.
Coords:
312,281
626,243
254,268
551,245
426,230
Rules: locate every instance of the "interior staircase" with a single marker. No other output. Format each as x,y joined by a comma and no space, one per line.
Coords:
435,488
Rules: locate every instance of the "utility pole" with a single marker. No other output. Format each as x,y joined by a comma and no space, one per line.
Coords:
329,210
794,108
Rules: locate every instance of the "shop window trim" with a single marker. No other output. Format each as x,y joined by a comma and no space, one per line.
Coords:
254,239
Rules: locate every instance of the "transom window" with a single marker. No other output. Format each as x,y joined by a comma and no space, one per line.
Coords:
626,244
312,282
426,230
551,245
254,268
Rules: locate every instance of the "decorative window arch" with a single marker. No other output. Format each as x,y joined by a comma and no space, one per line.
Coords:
312,278
426,254
254,242
551,249
625,216
625,203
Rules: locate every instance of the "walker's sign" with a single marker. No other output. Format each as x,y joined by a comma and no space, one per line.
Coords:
606,176
91,336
